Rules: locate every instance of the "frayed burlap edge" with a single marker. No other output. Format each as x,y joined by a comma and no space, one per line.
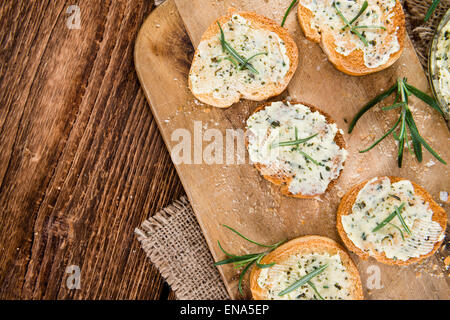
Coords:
174,243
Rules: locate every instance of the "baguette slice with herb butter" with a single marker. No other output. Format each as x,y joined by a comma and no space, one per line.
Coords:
218,79
298,258
369,227
303,170
321,23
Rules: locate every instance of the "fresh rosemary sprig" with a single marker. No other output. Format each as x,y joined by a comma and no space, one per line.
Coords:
406,121
247,260
349,24
305,279
241,61
287,11
431,9
396,213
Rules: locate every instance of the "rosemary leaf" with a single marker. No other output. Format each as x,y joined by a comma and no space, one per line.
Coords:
310,158
405,226
394,106
315,290
292,142
247,260
348,24
425,98
241,277
369,27
226,47
370,104
232,61
431,9
389,218
247,60
414,135
361,11
400,230
384,136
303,280
242,236
434,153
287,12
401,139
262,266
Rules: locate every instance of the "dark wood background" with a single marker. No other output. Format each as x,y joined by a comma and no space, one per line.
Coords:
82,162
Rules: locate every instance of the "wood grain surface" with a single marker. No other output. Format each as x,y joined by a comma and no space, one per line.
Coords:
82,162
235,194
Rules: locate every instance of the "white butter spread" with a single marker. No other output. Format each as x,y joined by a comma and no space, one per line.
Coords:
332,284
214,73
277,123
374,203
442,63
381,43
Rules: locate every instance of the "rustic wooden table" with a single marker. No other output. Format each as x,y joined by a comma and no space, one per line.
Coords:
82,162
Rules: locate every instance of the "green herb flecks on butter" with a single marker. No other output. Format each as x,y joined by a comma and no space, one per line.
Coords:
216,73
374,203
381,44
332,283
313,164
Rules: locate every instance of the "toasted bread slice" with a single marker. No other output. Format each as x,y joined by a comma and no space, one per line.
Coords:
345,208
215,80
390,42
286,259
283,178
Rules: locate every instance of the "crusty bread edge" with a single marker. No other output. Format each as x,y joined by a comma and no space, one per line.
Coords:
283,180
345,208
353,64
305,245
263,23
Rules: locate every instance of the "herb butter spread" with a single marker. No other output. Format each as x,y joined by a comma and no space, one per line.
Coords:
332,283
381,43
442,63
310,165
215,73
374,203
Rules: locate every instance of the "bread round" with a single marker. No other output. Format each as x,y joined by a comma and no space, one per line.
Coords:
270,89
352,64
345,208
283,180
308,245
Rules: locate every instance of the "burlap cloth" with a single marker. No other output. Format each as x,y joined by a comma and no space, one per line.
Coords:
172,238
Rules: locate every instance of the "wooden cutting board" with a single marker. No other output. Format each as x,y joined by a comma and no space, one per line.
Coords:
235,194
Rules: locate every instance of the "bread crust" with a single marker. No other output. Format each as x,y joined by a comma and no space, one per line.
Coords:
283,180
352,64
345,208
271,89
306,245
